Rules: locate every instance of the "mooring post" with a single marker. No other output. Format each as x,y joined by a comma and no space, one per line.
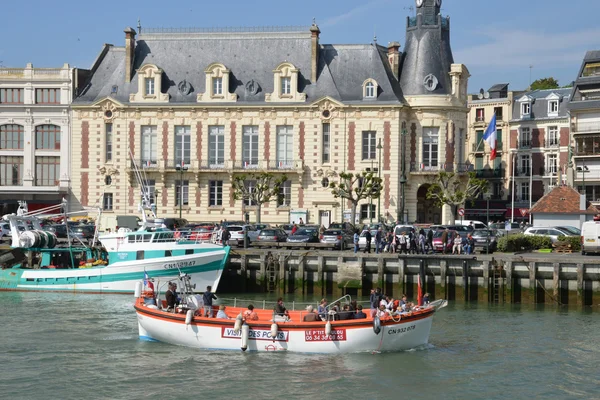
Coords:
243,271
443,286
380,273
282,276
465,274
533,282
262,279
401,276
486,279
509,281
422,279
556,281
580,294
320,280
300,281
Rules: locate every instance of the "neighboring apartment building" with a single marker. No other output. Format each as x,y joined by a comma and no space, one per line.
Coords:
192,109
497,100
539,146
34,136
584,109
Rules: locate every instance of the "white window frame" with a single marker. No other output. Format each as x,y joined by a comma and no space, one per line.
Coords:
250,185
431,149
524,133
215,194
326,141
285,146
552,107
525,163
367,212
369,145
149,146
108,135
216,146
217,83
183,145
286,85
149,86
186,192
553,136
107,202
369,90
250,146
525,108
551,167
285,194
524,191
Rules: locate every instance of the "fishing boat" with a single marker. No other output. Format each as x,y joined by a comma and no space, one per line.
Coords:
185,326
111,263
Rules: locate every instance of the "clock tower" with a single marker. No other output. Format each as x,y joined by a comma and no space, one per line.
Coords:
427,56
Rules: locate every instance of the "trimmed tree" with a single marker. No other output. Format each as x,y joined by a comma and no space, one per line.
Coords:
257,188
455,190
356,187
544,83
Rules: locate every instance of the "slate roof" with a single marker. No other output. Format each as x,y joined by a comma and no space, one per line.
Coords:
539,107
342,69
498,87
585,82
562,200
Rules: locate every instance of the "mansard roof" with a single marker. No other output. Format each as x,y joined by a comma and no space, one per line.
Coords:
539,104
250,56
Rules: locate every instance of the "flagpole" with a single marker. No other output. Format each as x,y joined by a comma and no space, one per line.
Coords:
512,209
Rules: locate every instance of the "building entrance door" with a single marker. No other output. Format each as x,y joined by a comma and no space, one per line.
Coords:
325,218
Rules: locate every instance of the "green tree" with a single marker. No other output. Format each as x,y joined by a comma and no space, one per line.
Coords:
544,83
257,188
455,190
356,187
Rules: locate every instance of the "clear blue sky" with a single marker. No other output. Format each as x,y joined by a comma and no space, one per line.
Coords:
497,39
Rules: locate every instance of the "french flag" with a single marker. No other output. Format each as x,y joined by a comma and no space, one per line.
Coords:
491,137
147,281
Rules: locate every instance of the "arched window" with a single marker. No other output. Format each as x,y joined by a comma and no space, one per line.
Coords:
47,137
11,137
149,85
285,84
370,89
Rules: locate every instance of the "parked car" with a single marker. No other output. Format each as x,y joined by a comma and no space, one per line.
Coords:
590,237
407,229
338,237
83,232
470,222
60,230
552,233
287,228
202,233
481,236
500,227
362,239
437,241
237,234
260,227
569,230
237,223
272,235
305,234
4,230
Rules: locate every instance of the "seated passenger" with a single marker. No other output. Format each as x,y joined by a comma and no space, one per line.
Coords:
359,312
250,314
171,296
322,309
280,309
345,313
310,315
382,311
221,313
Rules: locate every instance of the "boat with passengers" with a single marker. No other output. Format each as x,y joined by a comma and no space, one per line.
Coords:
186,325
111,263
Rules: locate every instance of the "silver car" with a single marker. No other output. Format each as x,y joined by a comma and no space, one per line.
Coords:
362,239
336,237
552,233
237,234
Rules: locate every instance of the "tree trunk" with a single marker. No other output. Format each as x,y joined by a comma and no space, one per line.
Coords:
258,212
353,215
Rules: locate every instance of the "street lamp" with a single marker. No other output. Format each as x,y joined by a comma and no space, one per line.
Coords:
181,168
403,177
379,147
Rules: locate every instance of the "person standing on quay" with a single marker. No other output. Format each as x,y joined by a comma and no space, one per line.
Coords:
444,240
378,238
355,241
368,238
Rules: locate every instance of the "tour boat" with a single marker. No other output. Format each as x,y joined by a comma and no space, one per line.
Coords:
184,327
37,262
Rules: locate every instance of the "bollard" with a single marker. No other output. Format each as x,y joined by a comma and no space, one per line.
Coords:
465,273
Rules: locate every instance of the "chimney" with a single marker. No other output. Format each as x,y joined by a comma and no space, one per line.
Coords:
394,57
129,52
314,38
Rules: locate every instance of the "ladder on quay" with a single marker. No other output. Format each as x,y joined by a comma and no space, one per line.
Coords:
497,285
271,271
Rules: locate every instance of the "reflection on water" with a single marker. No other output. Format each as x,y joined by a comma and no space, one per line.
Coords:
86,346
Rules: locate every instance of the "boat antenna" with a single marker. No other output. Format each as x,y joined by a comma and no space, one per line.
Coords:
64,210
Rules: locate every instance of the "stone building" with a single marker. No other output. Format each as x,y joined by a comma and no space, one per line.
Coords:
584,109
35,136
191,109
539,146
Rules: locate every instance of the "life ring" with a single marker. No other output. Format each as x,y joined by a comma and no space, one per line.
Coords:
376,325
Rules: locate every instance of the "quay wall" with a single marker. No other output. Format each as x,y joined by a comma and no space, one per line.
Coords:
502,278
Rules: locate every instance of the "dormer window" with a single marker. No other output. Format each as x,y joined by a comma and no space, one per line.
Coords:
217,85
285,85
370,89
525,109
553,107
149,86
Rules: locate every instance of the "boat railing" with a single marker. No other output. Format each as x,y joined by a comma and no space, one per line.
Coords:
346,297
268,304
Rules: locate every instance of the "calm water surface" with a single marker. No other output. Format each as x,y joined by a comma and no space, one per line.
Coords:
62,346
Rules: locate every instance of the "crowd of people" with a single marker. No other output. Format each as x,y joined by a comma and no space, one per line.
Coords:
382,304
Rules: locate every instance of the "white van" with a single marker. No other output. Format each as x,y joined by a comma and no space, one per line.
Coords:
476,224
590,237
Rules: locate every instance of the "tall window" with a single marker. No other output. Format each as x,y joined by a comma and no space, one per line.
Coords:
250,146
524,138
326,143
11,171
250,186
479,114
286,85
11,96
499,140
11,137
149,146
107,201
47,96
498,112
460,156
524,191
216,145
285,146
369,147
47,137
370,90
479,146
430,148
150,187
47,171
525,109
285,194
108,137
553,107
216,193
182,198
552,164
149,86
553,136
525,165
367,211
217,86
182,145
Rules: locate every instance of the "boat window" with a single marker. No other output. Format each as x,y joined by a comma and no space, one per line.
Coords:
147,238
131,239
189,251
139,255
168,253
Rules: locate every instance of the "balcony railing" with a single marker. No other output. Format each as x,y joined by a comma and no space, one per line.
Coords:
489,173
587,145
548,171
551,142
479,119
523,171
211,165
448,167
524,144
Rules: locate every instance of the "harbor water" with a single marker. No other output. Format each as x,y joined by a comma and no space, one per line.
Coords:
73,346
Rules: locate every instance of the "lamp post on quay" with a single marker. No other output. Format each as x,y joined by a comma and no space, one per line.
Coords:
379,147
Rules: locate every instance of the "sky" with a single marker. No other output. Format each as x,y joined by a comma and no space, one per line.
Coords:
500,41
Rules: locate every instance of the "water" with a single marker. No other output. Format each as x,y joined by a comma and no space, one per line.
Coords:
62,346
